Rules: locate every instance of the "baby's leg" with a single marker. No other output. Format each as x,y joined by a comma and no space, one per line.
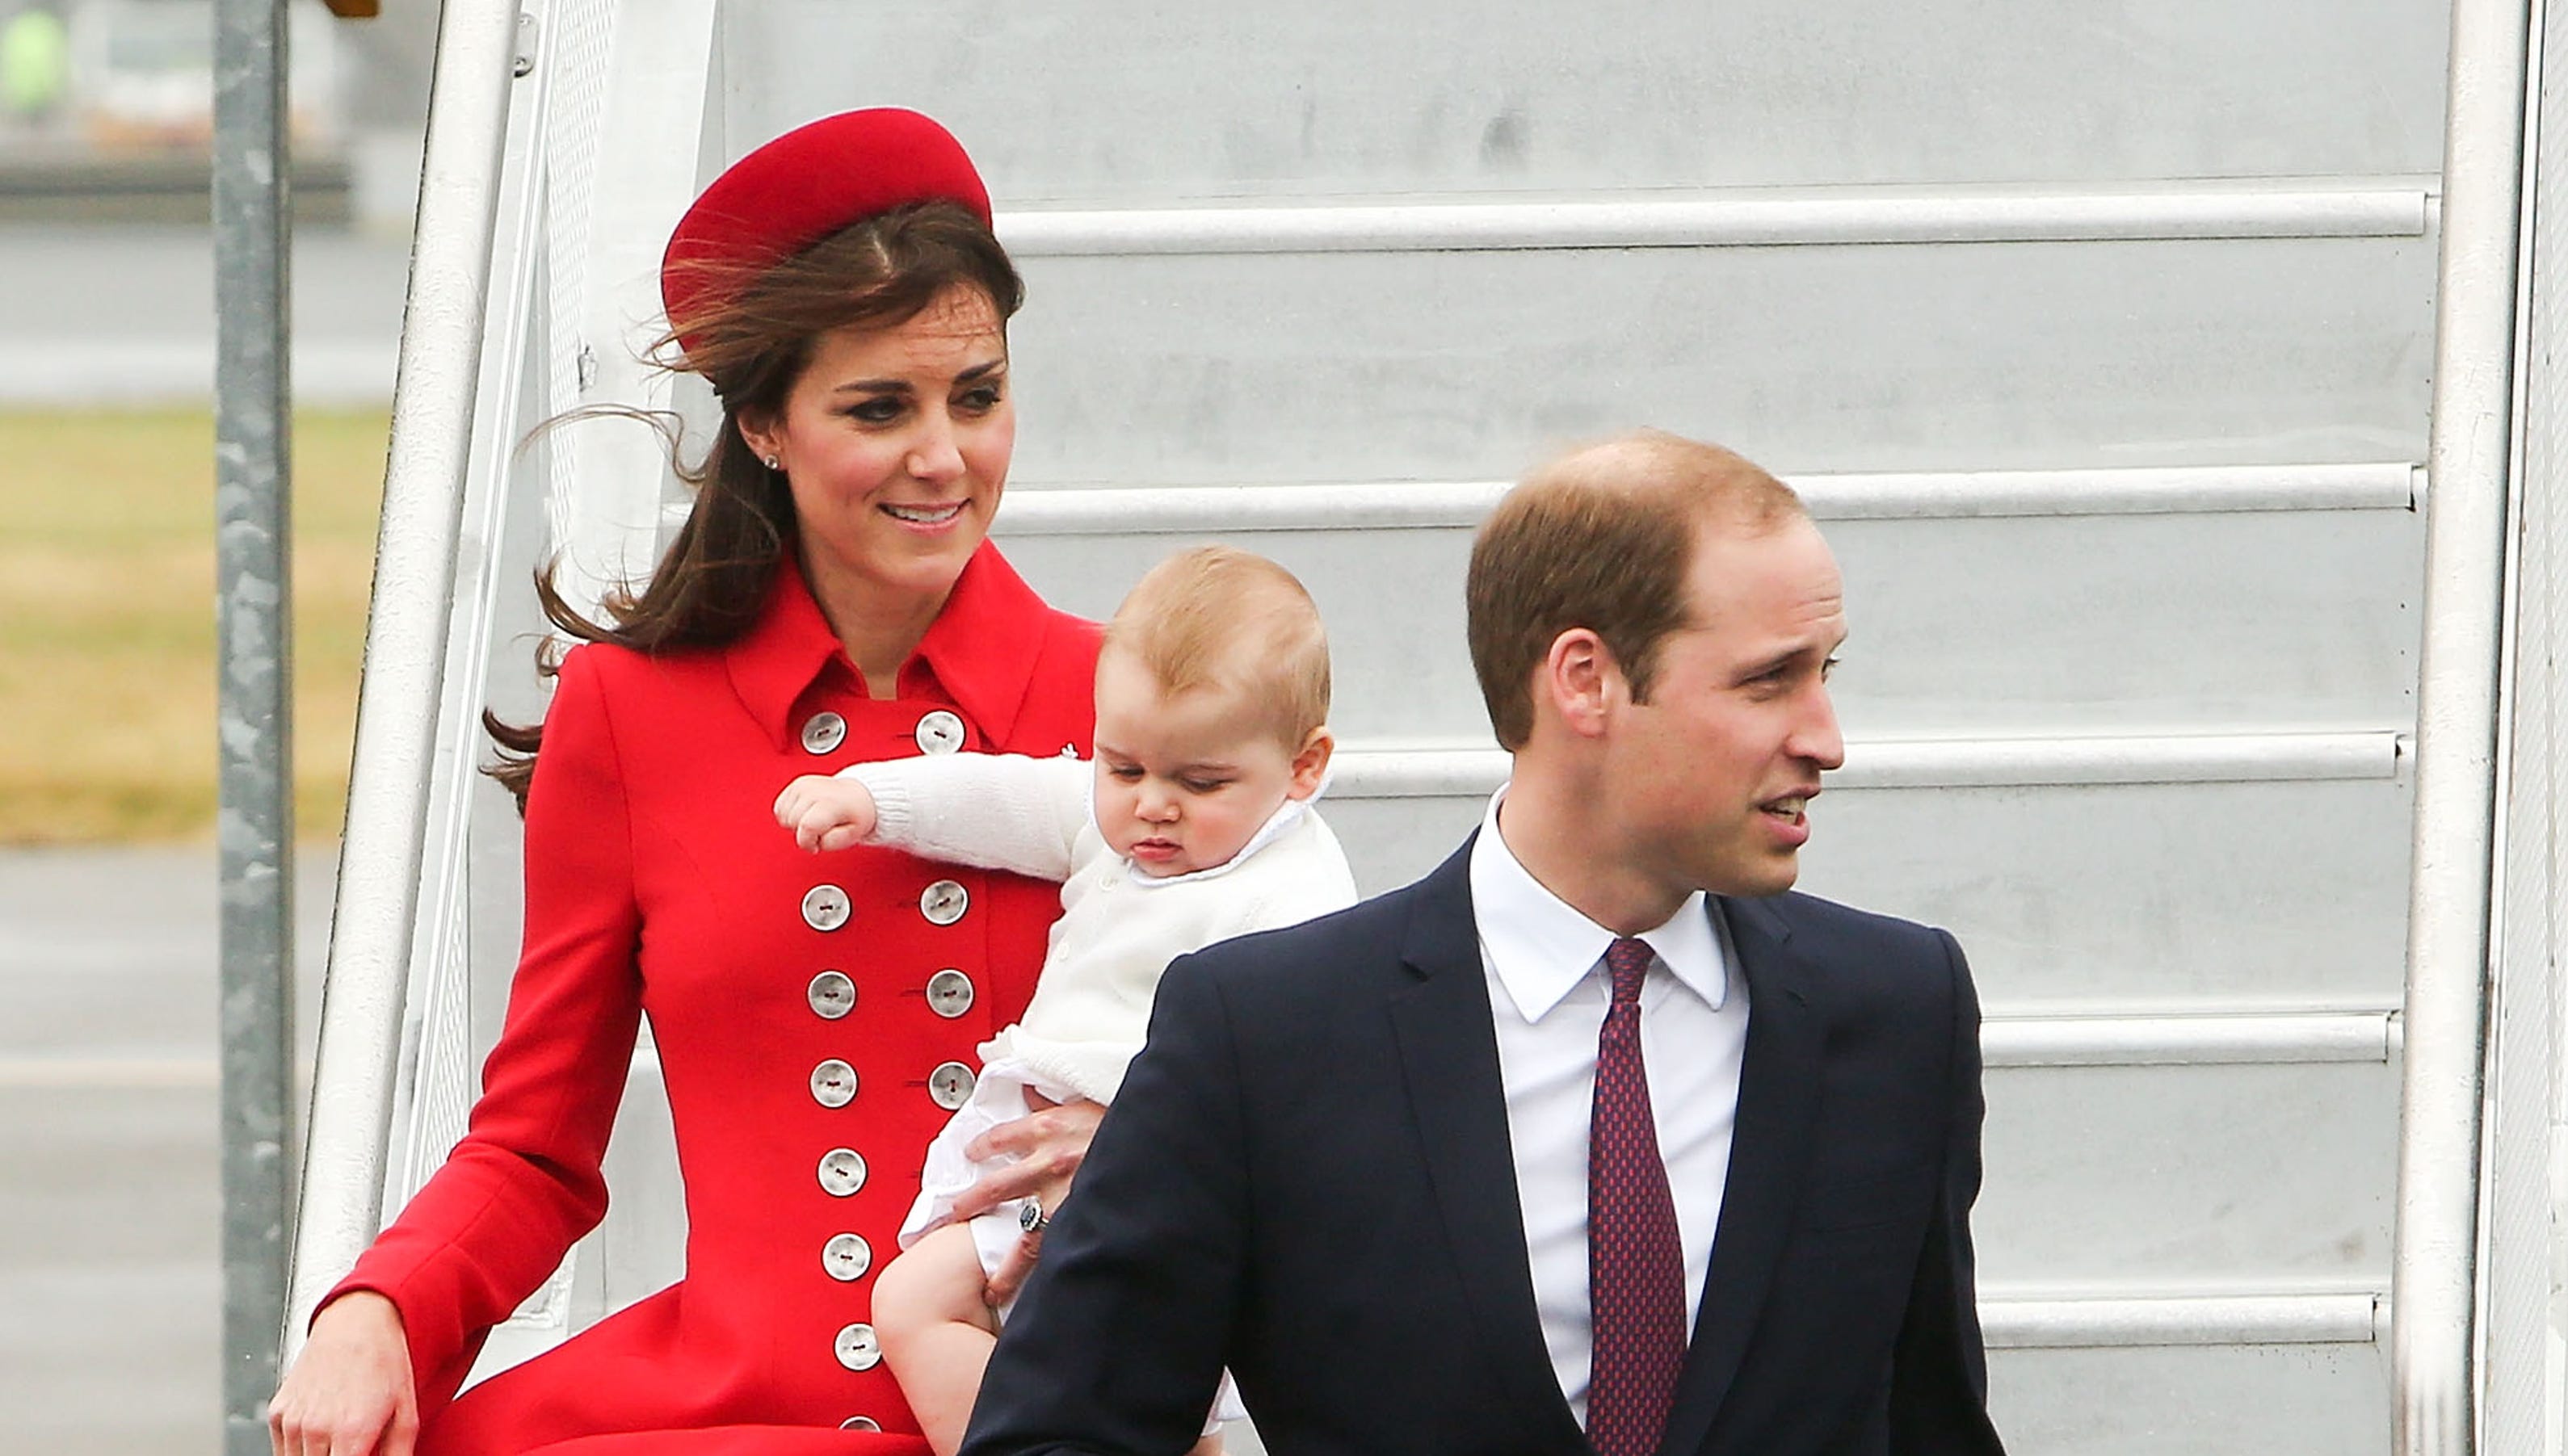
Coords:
936,1332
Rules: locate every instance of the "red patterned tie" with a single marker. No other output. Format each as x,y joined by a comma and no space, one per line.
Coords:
1635,1261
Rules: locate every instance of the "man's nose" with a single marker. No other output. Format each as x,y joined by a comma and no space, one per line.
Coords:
1816,737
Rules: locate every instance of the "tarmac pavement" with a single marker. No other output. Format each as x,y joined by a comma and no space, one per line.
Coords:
111,1210
124,314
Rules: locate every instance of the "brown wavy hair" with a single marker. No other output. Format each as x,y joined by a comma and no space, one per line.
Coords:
752,338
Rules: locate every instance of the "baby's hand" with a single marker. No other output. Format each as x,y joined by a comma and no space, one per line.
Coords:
827,813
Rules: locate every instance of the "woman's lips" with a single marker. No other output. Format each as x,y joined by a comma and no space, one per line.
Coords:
929,517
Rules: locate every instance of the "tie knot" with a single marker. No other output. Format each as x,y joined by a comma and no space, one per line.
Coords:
1626,960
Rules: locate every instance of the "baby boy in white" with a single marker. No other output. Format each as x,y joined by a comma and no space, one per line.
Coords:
1194,824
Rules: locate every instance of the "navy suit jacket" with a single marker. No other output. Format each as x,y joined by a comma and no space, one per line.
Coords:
1306,1178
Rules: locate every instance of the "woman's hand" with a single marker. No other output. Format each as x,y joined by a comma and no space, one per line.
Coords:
827,813
349,1393
1049,1143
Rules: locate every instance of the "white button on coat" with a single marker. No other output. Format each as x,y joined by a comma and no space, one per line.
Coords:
834,1083
846,1257
827,907
856,1348
944,901
939,732
951,1084
823,733
842,1172
831,994
949,993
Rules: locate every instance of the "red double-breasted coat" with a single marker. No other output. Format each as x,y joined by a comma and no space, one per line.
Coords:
815,1017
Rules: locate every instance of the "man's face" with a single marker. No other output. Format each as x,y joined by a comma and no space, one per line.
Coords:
1713,776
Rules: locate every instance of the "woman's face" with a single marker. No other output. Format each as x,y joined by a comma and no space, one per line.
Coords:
895,444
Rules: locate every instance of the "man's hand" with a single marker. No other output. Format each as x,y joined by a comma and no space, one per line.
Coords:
1049,1144
349,1393
827,813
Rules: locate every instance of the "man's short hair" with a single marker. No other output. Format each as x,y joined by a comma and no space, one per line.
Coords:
1221,618
1602,538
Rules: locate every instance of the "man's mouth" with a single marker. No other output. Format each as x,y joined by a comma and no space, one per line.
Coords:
1792,809
924,515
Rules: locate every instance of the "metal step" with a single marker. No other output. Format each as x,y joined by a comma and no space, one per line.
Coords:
1321,365
1982,602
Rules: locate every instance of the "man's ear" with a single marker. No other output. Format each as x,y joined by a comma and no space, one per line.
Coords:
1311,765
1579,681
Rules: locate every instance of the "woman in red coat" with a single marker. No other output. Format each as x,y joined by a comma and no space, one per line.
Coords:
830,599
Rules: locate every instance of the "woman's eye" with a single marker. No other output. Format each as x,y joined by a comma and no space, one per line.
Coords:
979,401
879,411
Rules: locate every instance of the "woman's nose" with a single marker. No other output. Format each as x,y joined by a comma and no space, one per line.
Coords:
935,455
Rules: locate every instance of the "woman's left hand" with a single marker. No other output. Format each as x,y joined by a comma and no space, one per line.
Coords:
1048,1142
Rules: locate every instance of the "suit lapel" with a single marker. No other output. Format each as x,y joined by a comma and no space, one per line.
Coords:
1778,1083
1449,1054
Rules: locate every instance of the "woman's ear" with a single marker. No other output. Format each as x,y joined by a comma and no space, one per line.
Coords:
1311,765
758,433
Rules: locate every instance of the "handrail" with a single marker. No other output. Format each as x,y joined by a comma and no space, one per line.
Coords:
2433,1260
1746,217
1084,510
406,637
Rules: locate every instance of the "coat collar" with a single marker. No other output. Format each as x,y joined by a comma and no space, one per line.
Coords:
979,651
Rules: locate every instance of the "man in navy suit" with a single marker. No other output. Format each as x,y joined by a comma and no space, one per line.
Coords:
1592,1140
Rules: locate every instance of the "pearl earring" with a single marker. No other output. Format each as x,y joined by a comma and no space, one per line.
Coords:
770,463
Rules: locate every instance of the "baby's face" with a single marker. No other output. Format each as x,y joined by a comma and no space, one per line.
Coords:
1184,781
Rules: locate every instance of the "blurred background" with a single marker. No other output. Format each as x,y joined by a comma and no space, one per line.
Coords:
109,1278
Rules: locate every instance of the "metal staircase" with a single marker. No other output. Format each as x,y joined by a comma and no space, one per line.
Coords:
2099,340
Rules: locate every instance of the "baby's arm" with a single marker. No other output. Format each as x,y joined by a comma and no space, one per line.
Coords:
1000,811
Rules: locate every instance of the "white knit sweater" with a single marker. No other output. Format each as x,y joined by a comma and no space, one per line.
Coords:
1119,928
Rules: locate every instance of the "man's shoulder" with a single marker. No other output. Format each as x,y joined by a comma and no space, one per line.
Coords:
1360,942
1859,947
1828,922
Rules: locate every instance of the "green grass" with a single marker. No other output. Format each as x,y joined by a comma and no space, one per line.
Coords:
107,620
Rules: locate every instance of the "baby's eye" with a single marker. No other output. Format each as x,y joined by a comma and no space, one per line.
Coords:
1204,785
1127,772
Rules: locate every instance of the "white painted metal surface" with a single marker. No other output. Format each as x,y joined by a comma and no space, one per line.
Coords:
2126,470
1939,495
372,927
1838,215
2434,1273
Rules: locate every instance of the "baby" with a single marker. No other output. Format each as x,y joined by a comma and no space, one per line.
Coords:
1212,703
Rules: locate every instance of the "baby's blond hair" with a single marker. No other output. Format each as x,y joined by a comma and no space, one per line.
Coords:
1221,618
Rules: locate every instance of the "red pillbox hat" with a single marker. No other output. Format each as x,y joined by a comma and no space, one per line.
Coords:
807,184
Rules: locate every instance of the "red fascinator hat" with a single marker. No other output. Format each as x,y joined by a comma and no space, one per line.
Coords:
805,185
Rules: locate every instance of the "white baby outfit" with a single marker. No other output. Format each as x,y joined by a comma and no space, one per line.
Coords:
1117,932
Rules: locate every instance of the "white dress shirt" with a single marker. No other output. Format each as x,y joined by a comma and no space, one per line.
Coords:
1548,991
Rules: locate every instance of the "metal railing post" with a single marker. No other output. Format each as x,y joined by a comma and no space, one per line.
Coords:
255,758
2433,1265
377,908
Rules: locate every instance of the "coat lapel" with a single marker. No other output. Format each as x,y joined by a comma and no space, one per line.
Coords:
1449,1054
1778,1083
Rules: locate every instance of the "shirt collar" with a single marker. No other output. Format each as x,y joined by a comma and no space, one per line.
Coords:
1541,948
979,651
